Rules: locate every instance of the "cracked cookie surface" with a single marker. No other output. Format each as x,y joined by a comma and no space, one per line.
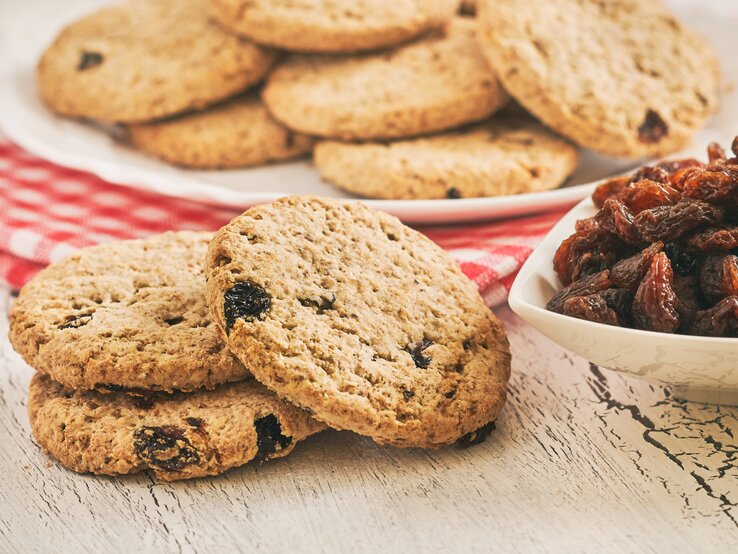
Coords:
629,79
129,314
138,61
177,436
363,321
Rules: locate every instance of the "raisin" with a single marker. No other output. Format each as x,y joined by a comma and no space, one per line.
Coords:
653,128
407,394
673,166
715,152
667,223
654,304
648,194
682,261
688,301
583,287
621,301
609,189
716,183
628,273
586,253
715,240
88,60
719,277
616,218
246,301
416,353
195,422
476,437
174,320
269,437
719,321
164,447
591,308
453,193
651,173
76,321
322,305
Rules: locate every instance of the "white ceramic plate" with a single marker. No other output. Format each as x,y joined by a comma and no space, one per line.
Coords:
703,369
27,27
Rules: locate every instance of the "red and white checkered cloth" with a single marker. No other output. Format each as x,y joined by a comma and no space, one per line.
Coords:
47,212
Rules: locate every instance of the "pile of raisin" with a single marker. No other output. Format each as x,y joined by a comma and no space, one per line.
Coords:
662,252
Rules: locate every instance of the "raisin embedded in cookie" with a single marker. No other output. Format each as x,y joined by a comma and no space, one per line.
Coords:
125,315
438,82
507,155
368,324
236,133
146,59
329,26
623,77
177,436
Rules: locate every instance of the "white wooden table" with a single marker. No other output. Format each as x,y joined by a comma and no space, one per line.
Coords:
583,460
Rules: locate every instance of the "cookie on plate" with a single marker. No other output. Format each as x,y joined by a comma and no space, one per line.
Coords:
125,315
177,436
146,59
361,320
627,79
239,132
505,155
329,26
436,83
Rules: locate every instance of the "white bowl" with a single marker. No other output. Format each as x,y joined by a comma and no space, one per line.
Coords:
702,369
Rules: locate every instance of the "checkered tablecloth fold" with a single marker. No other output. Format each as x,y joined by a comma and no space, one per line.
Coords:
48,212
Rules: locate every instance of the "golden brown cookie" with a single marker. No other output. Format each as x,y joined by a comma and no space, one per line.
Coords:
361,320
240,132
177,436
622,77
330,26
125,315
146,59
435,83
505,155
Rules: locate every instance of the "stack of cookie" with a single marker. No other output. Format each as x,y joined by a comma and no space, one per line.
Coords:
190,353
398,99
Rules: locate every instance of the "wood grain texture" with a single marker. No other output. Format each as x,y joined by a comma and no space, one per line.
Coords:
583,459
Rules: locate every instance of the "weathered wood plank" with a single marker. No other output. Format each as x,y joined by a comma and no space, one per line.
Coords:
582,459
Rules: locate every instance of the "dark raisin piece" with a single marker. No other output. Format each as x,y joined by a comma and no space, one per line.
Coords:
164,447
649,194
195,422
719,321
616,218
174,320
88,60
654,304
453,193
75,322
416,353
586,253
583,287
591,308
668,223
322,305
653,128
628,273
715,152
688,301
675,166
716,183
476,437
269,437
621,301
719,277
682,261
466,345
246,301
651,173
609,189
407,394
715,240
450,394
